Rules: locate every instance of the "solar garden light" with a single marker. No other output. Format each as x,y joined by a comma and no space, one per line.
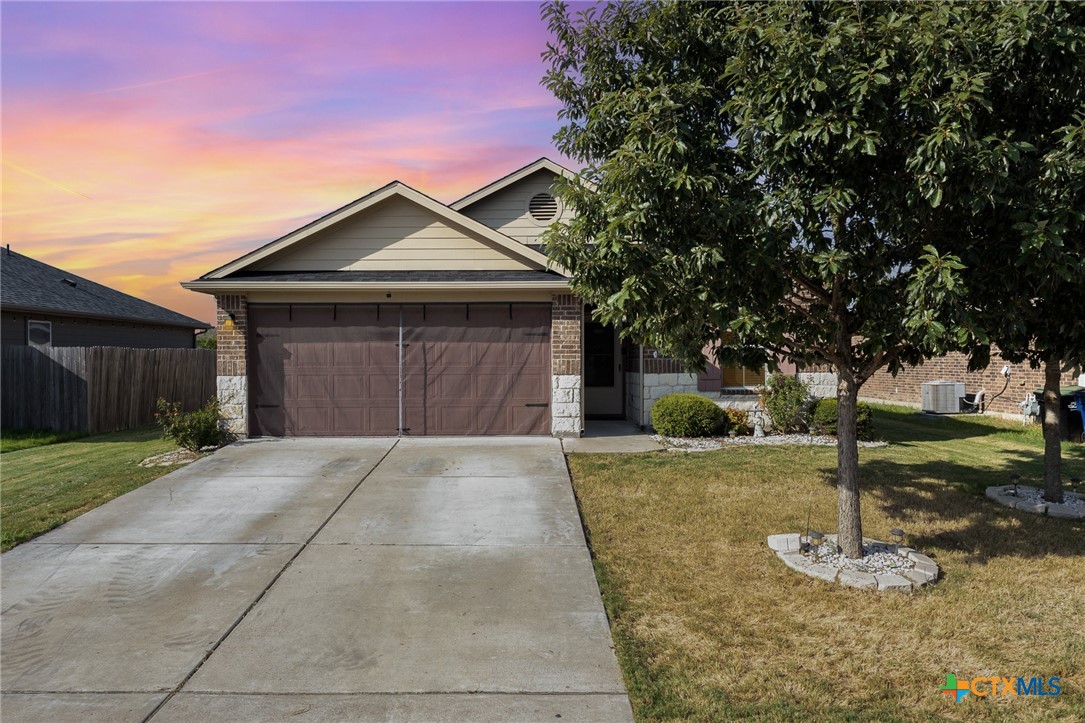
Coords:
816,538
897,535
1076,482
1015,477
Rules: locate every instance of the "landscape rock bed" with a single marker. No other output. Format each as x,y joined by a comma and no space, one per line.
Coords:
884,566
1031,499
169,459
703,444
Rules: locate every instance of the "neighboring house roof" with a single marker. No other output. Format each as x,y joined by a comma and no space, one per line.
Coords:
543,164
395,189
32,286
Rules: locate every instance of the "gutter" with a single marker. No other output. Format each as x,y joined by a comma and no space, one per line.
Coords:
104,317
240,285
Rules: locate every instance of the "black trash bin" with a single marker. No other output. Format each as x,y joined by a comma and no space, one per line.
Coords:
1071,421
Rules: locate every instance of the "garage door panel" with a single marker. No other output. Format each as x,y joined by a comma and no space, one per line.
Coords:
529,420
309,421
530,388
313,387
312,354
467,369
349,386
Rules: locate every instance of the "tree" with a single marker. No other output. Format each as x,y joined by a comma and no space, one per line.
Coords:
1026,265
769,179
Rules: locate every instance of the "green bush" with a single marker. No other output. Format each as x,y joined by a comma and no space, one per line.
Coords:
823,420
738,421
787,400
687,415
192,430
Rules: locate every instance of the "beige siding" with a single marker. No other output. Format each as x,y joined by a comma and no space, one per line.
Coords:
395,235
506,210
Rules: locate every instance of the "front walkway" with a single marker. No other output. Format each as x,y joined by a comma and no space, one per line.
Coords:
319,579
612,437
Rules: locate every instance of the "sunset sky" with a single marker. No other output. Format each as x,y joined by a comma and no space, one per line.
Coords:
147,143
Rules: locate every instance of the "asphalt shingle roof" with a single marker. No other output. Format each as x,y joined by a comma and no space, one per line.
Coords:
395,276
27,284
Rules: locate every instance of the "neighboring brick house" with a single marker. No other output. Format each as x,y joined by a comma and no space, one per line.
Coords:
398,314
43,306
905,387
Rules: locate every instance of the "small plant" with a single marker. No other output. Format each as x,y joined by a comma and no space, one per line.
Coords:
192,430
687,415
738,421
823,419
786,399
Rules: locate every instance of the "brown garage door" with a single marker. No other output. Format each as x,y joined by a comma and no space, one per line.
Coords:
336,370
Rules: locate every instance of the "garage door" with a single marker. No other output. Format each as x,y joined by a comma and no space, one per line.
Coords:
340,371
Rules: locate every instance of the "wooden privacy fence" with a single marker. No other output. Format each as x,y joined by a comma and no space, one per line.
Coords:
99,389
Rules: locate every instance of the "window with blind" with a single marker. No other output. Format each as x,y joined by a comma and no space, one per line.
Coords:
742,377
714,378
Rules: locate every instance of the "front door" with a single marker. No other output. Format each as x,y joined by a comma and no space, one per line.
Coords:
602,370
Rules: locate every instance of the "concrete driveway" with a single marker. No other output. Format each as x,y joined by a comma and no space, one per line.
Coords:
318,579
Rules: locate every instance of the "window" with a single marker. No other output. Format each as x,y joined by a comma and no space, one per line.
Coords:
735,377
39,333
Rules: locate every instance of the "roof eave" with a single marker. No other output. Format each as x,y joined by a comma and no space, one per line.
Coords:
18,308
220,286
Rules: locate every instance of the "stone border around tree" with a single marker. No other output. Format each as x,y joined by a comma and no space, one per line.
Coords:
788,547
1003,495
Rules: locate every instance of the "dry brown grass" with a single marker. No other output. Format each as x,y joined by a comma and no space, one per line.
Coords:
711,626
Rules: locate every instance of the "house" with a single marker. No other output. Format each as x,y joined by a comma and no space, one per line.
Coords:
43,306
398,314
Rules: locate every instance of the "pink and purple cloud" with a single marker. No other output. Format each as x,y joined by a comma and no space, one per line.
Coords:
147,143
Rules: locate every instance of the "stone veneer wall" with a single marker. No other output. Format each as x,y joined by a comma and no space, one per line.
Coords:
663,375
567,382
905,388
232,362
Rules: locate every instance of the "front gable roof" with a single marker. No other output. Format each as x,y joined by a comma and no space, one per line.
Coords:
543,164
525,255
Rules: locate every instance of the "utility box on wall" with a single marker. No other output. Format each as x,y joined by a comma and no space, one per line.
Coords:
941,397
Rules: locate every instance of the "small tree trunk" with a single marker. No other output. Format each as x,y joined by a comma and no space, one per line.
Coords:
1052,433
849,523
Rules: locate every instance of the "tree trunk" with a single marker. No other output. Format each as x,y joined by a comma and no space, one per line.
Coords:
1052,433
849,524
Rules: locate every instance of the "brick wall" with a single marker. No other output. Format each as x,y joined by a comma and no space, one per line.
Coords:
231,342
905,387
566,378
565,338
231,357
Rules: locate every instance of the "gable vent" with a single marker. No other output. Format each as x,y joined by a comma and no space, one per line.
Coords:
543,207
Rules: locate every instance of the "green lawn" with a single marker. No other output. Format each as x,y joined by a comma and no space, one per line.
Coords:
709,625
12,440
45,486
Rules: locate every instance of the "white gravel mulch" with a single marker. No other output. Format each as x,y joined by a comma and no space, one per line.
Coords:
180,456
702,444
875,559
1034,494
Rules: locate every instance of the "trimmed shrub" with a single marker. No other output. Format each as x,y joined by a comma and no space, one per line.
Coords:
787,400
825,413
686,415
738,420
192,430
